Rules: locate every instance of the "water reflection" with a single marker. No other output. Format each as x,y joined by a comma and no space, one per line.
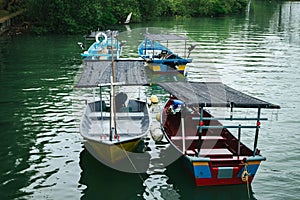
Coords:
102,182
184,184
36,117
41,151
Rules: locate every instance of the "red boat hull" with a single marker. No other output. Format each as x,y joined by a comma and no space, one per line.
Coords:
205,174
214,156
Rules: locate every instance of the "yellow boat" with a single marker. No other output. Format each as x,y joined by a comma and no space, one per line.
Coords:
112,136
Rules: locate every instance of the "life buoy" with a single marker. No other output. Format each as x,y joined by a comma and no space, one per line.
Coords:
101,34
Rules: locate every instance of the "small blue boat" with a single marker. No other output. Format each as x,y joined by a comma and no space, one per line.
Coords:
105,46
158,55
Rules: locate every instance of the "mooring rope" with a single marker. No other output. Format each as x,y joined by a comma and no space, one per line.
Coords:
137,171
245,178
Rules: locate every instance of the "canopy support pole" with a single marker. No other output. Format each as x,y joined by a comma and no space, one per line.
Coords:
239,140
200,131
101,104
183,134
257,131
184,48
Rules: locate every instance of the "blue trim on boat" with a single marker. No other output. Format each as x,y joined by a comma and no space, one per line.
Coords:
157,48
225,172
202,171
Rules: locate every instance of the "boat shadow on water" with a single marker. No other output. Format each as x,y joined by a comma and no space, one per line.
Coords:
183,183
100,180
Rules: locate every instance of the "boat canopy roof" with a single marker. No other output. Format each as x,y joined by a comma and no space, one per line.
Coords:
164,37
96,73
204,94
213,94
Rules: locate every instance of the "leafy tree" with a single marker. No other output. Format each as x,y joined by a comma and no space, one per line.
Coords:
74,16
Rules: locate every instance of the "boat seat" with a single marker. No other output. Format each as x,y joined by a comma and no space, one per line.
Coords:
215,153
97,106
233,158
197,137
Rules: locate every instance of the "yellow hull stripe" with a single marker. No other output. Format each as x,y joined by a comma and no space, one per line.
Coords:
181,67
200,163
254,162
113,153
156,68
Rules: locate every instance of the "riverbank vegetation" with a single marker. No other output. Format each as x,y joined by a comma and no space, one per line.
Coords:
75,16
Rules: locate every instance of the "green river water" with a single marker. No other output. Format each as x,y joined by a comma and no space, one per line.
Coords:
41,151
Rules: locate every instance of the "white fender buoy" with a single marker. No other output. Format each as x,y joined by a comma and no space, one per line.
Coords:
154,99
156,133
157,117
99,35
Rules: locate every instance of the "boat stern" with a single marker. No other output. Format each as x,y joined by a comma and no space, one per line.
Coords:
207,171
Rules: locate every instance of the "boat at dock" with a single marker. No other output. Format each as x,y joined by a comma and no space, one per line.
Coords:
106,46
211,153
114,124
215,149
158,57
111,135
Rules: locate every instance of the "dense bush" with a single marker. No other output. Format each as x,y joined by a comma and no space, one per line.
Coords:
73,16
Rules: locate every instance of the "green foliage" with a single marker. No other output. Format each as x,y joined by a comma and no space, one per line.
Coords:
197,8
74,16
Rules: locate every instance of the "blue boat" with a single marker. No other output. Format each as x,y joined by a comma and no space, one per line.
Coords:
159,57
105,46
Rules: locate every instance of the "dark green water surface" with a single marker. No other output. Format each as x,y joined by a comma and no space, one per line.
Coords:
41,151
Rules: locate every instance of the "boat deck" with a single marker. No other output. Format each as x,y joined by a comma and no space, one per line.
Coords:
222,152
130,123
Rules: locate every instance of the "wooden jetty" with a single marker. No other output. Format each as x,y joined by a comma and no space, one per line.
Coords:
7,21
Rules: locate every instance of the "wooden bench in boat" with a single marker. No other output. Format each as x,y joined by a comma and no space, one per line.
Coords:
233,158
119,114
220,152
197,137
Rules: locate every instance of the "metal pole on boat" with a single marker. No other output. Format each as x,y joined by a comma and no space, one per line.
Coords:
94,99
185,48
257,131
239,140
200,127
117,40
111,110
145,50
153,46
231,110
113,77
101,107
183,134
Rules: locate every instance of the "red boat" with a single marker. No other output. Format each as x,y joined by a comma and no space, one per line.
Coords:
211,153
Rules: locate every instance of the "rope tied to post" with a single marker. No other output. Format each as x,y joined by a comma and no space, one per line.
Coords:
245,174
245,177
